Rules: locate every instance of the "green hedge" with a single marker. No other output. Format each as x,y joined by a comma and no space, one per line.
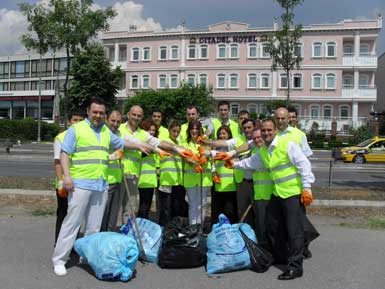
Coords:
26,129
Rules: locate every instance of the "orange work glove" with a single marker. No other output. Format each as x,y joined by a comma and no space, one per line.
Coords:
201,139
306,197
164,154
116,155
186,154
62,193
198,169
225,156
203,160
216,179
229,164
201,150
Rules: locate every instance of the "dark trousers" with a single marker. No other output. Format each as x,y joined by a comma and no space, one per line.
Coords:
172,204
260,207
224,203
245,197
285,231
111,212
61,212
145,201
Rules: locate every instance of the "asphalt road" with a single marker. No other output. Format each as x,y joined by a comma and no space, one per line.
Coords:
35,160
342,258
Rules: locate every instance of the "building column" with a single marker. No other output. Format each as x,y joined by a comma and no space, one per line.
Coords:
354,111
356,82
116,52
357,44
182,71
275,83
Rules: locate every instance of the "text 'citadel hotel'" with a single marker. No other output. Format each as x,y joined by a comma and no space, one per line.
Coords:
336,79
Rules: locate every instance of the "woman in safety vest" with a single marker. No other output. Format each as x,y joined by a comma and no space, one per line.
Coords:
148,179
197,177
224,198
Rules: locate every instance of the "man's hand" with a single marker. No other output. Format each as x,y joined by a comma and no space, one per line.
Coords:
62,193
216,179
201,150
116,155
202,139
198,169
68,184
306,197
185,153
225,156
202,160
146,148
229,164
164,154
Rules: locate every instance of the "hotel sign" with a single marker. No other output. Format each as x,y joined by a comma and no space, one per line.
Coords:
225,39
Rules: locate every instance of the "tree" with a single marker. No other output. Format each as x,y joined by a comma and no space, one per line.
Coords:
93,76
173,102
38,38
272,105
283,42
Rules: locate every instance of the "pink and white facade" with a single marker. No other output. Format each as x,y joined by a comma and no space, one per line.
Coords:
335,82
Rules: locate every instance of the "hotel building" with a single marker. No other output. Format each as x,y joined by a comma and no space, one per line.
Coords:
336,80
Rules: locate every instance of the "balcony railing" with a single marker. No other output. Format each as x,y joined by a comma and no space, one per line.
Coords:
362,60
325,123
363,92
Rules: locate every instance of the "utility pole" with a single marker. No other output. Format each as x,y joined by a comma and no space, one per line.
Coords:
39,105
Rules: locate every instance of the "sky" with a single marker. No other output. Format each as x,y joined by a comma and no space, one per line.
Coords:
198,14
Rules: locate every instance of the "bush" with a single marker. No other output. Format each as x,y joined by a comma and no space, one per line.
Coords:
360,134
26,129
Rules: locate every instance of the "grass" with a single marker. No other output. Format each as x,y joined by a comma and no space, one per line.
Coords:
43,212
370,223
28,183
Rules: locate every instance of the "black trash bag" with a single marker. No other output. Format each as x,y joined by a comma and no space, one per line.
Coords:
260,258
310,233
182,245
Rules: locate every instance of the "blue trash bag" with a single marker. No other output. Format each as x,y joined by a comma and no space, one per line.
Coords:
111,255
150,234
226,249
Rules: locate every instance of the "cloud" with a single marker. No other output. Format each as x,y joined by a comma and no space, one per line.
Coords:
12,25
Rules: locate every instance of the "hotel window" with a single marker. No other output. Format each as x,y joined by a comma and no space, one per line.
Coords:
221,81
252,50
203,51
203,79
364,49
60,66
330,81
252,80
234,50
252,108
174,52
234,80
163,53
316,81
331,49
145,81
234,108
264,51
327,111
363,81
173,81
192,52
122,52
162,81
3,86
297,81
221,51
344,111
146,54
265,81
19,69
111,53
348,81
317,50
283,80
4,70
135,54
348,50
298,50
122,84
191,79
314,111
134,82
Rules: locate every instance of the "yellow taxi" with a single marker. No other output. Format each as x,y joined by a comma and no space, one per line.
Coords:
370,150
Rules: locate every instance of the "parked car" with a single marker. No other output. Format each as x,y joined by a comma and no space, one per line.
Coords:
370,150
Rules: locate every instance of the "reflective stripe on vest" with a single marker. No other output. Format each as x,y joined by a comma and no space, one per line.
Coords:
90,163
114,172
170,169
227,178
263,185
287,181
131,158
239,174
233,125
60,138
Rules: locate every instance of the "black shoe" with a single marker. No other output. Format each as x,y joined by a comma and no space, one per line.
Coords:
306,253
289,275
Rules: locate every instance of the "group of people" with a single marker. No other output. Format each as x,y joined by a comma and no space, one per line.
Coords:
256,170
